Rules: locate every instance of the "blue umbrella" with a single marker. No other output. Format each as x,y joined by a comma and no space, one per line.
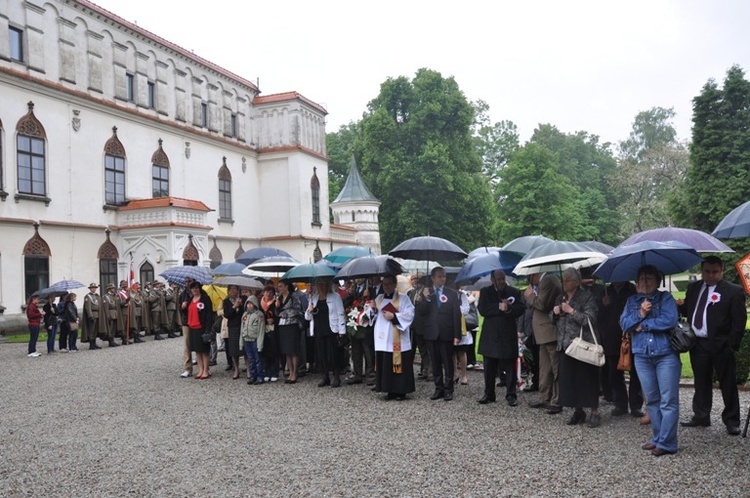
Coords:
67,285
668,257
700,241
735,225
251,256
228,269
308,272
178,274
485,264
344,254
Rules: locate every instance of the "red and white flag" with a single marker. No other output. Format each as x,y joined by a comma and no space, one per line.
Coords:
131,279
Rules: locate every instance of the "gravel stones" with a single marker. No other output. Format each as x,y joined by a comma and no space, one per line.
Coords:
121,422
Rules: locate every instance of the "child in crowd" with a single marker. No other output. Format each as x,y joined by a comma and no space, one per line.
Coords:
252,332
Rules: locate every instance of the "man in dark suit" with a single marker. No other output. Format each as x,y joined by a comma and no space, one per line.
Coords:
440,307
500,305
716,311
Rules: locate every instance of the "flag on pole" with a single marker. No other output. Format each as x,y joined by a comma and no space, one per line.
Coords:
131,279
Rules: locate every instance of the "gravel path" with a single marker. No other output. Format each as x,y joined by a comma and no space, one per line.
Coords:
121,422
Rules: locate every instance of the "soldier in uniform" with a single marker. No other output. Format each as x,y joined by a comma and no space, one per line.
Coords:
136,315
123,301
146,308
111,309
170,297
93,324
155,305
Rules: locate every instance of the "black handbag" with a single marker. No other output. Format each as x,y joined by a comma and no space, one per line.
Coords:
682,338
208,337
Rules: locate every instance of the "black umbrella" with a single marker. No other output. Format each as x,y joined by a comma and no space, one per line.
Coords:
52,292
370,266
428,248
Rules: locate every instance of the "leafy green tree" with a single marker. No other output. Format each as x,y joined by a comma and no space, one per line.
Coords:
536,198
650,172
418,157
587,164
496,144
718,177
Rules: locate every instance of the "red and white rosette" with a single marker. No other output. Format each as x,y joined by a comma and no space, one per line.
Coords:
714,298
443,298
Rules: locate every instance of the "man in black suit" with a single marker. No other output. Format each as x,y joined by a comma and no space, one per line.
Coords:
440,307
500,305
716,311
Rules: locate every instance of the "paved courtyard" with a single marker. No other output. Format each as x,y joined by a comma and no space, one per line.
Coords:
120,422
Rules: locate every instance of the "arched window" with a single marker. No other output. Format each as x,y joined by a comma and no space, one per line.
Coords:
225,191
114,170
315,189
160,172
146,273
36,254
108,257
30,144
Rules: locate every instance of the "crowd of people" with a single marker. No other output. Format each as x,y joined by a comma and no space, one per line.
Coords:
371,331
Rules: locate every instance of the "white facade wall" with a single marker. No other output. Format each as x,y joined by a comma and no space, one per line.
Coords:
75,67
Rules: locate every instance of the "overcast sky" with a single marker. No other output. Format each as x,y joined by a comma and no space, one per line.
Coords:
579,65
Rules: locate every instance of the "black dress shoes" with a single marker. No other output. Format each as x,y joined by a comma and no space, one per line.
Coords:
512,401
733,429
486,399
437,395
448,397
325,382
696,422
554,410
538,404
657,452
577,418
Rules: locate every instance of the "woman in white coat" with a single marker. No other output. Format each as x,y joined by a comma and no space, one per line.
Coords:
394,356
327,325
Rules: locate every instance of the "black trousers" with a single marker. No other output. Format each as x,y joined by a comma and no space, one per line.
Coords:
441,356
491,368
704,364
621,395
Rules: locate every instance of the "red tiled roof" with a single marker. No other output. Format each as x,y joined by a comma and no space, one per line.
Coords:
164,202
168,44
280,97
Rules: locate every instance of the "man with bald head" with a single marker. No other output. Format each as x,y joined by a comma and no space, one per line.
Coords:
500,305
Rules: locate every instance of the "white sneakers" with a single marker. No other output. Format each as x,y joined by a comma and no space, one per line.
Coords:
63,350
274,379
186,374
35,354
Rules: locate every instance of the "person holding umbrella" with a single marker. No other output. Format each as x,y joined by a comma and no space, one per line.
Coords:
575,311
649,316
325,311
289,314
440,308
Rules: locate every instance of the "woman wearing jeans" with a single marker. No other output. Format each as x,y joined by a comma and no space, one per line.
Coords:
70,317
649,316
50,323
35,319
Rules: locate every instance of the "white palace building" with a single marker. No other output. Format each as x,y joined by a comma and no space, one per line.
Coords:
119,148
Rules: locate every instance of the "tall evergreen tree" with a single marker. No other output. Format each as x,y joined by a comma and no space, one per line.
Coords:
718,178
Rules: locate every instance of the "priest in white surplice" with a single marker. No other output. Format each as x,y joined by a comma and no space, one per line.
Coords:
394,356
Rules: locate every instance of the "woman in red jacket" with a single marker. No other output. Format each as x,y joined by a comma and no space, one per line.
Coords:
35,318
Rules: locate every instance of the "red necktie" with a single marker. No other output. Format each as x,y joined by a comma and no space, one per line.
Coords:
700,310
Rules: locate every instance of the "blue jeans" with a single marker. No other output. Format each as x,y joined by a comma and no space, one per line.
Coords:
660,380
33,337
72,338
255,367
51,333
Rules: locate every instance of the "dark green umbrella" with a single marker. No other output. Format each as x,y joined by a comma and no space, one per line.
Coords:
308,273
